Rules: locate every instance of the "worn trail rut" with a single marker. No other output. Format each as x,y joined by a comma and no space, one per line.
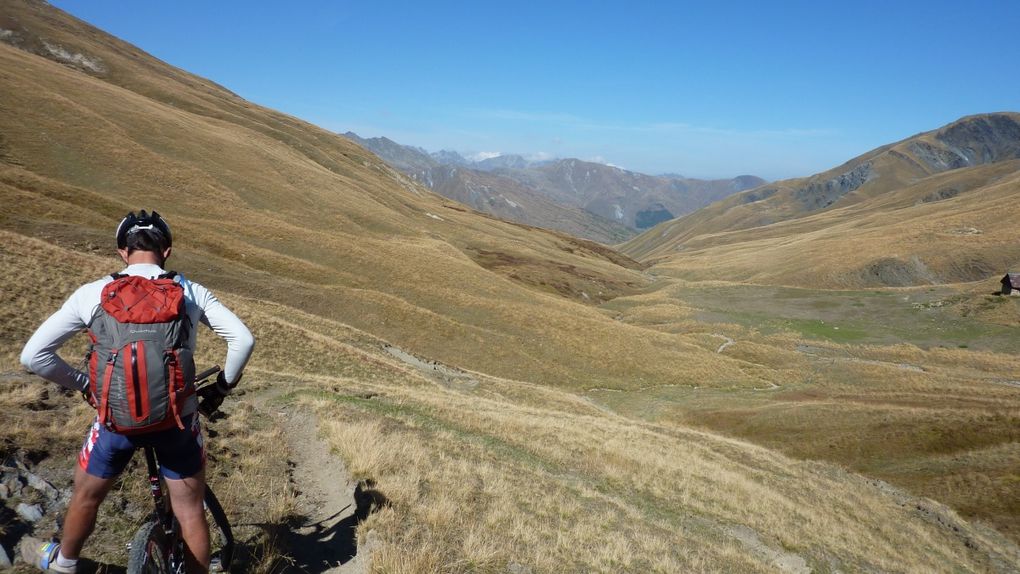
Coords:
322,537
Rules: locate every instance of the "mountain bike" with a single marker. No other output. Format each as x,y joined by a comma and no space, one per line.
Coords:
157,547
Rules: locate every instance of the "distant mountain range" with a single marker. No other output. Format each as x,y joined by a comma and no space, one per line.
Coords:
590,200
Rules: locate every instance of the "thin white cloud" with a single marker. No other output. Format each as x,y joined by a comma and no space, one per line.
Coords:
649,147
666,127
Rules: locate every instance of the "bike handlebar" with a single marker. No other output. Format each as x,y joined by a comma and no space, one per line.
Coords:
207,373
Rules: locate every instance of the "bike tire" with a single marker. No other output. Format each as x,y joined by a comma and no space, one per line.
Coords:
149,551
222,559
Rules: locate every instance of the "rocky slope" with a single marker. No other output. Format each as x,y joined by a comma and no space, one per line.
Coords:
634,199
448,174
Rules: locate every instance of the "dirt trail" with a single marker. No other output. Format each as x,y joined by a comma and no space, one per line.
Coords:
322,538
727,342
782,560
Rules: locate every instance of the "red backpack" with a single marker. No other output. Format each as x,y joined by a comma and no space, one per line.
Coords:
141,371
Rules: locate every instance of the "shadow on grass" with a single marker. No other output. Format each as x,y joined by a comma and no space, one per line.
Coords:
313,548
86,566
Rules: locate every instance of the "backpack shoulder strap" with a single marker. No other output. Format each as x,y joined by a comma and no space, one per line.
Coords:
170,275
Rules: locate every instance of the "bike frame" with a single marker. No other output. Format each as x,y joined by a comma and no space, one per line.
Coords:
165,517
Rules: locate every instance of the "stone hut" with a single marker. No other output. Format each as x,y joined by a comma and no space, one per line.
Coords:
1011,284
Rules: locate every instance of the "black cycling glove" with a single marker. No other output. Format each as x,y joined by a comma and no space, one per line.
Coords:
212,395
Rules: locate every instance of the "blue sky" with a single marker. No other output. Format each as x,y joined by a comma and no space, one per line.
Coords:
705,89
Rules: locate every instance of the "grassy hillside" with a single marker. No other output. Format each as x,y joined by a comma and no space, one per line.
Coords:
971,141
907,214
485,473
525,401
948,228
268,206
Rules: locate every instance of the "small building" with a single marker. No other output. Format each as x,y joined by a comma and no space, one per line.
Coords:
1011,284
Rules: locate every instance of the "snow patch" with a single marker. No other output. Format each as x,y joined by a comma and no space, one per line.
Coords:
605,162
511,203
6,34
618,212
434,216
484,155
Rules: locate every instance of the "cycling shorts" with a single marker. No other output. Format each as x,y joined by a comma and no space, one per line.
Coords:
181,452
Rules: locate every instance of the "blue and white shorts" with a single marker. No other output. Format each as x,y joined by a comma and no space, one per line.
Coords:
181,453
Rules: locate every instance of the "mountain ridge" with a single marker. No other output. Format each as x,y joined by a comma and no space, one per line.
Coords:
630,201
450,176
826,189
923,179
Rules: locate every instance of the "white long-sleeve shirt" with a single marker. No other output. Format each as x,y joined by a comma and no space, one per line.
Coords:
40,353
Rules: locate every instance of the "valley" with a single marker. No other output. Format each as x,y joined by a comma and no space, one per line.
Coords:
822,384
912,386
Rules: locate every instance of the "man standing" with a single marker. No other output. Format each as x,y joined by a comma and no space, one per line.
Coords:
144,242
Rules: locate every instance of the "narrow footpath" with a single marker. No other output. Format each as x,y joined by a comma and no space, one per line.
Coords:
322,539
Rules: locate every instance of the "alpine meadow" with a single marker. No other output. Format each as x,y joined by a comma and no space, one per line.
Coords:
813,375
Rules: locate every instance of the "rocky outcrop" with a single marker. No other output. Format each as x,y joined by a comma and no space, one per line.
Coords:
982,139
976,140
28,502
11,32
940,194
822,194
758,194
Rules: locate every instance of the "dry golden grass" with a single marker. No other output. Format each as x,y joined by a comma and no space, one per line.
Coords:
252,483
512,472
281,211
905,197
43,426
899,412
889,239
476,484
327,254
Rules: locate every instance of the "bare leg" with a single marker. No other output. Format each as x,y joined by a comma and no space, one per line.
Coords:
186,498
89,492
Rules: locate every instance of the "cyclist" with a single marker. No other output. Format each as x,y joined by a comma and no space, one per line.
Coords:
144,242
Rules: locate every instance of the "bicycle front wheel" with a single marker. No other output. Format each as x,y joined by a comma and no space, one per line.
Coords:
149,551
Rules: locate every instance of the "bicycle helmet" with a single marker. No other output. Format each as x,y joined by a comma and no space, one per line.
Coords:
150,223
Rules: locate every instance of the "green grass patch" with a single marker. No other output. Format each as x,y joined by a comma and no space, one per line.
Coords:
928,318
817,329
